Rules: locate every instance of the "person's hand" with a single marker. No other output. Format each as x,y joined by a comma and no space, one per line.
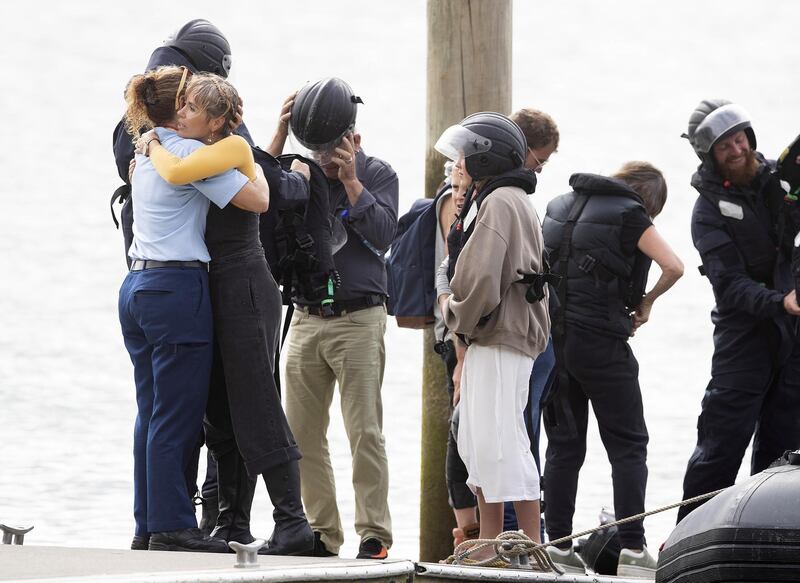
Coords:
286,113
301,168
237,117
457,381
345,157
282,131
641,315
131,168
790,303
143,143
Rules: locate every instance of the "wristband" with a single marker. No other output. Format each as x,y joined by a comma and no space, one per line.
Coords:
147,145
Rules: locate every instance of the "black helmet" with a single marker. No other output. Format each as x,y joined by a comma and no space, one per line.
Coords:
490,142
323,112
204,45
714,119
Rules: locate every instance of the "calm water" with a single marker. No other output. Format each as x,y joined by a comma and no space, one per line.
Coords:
619,78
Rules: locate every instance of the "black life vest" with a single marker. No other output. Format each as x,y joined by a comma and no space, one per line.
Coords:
459,234
582,234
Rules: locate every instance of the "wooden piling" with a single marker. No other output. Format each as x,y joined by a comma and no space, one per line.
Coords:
469,70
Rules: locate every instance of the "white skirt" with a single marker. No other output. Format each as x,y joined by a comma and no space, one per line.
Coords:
492,439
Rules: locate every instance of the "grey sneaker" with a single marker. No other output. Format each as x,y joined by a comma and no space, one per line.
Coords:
636,565
568,560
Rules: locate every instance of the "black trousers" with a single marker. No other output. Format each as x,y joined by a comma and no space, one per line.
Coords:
754,392
244,407
603,370
458,493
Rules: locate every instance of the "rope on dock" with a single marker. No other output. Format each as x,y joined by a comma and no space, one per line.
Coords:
513,549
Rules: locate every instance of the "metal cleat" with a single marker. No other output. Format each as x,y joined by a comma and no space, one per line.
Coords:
16,532
247,555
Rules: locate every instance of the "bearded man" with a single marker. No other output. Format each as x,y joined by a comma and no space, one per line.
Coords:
744,236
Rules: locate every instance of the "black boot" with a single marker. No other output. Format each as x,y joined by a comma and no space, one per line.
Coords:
235,490
140,543
187,539
208,520
292,534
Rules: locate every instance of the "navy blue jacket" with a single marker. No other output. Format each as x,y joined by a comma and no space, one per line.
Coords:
737,232
370,225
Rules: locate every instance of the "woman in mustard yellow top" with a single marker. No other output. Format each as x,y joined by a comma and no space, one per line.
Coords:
246,429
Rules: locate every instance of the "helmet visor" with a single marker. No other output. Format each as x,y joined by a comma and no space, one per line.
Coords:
324,154
457,141
338,234
718,123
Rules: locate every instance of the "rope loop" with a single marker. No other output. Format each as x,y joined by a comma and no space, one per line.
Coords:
513,549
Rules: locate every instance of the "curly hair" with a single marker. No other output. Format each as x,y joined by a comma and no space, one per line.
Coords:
216,96
152,97
539,128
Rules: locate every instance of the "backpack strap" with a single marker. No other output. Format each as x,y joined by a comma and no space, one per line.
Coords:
120,194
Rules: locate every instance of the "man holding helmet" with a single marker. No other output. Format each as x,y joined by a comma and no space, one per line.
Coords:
744,236
343,342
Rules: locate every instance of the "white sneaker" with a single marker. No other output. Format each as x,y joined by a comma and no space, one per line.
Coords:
568,560
636,565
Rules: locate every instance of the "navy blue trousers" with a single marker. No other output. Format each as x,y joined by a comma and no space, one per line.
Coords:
166,322
753,393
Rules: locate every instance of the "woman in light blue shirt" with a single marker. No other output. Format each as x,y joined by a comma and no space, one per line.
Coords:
165,314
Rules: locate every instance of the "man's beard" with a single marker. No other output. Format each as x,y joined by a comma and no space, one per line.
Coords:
741,175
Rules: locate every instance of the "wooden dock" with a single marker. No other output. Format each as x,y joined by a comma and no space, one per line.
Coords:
34,564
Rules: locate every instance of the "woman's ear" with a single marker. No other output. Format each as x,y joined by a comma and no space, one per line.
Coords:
217,124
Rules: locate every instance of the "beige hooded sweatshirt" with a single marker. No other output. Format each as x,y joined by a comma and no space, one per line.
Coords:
506,240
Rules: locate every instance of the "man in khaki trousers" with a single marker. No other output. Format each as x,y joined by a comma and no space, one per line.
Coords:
345,344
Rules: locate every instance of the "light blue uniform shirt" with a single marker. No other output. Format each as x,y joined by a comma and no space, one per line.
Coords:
169,221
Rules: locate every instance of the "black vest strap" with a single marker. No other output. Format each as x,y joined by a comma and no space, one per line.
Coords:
549,405
563,260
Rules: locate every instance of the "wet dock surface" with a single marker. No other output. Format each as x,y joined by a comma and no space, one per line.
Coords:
34,563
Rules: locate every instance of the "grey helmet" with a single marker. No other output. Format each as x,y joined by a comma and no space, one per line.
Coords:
323,112
490,142
714,119
204,45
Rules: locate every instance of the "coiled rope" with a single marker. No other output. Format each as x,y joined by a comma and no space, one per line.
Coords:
513,549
